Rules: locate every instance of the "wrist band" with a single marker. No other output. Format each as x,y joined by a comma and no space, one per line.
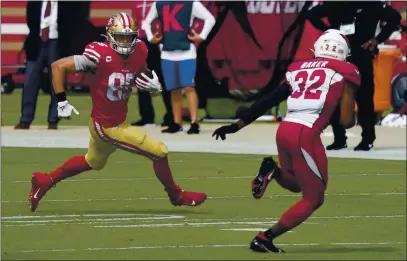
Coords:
61,96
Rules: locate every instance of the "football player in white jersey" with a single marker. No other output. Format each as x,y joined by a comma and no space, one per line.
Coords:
313,89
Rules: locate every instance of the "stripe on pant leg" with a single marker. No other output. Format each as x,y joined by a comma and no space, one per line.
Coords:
311,164
121,144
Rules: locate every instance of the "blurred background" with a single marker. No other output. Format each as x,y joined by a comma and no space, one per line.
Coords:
237,62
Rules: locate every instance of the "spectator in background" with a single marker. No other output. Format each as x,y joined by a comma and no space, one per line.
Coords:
178,53
53,25
358,21
146,109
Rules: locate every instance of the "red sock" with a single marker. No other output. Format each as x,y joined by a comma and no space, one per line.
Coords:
288,181
297,214
163,172
71,167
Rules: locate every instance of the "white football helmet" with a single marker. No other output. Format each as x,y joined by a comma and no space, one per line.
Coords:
332,44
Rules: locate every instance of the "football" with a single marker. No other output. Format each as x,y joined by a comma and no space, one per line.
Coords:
147,72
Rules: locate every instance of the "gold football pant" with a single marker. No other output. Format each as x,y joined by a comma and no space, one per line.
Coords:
104,141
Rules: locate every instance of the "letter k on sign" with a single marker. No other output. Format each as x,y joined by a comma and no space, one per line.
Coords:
169,17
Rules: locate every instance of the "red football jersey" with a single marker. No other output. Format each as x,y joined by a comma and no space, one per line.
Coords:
317,87
111,84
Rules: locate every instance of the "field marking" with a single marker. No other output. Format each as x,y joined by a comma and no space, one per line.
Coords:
183,221
202,178
189,224
312,217
215,197
249,229
96,220
206,246
84,215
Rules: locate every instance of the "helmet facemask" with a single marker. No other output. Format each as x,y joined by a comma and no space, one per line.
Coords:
123,43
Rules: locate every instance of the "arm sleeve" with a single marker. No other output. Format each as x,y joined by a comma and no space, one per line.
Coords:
315,16
392,19
152,14
199,11
352,74
266,102
84,64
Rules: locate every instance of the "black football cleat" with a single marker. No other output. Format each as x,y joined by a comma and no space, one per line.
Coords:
263,244
363,146
336,145
173,128
266,173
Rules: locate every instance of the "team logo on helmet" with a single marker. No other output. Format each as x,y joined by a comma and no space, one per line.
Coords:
110,22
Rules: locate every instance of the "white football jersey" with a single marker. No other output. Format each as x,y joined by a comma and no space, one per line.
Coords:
317,87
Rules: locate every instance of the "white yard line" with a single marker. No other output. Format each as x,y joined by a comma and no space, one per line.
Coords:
97,222
188,224
206,246
202,178
84,215
215,197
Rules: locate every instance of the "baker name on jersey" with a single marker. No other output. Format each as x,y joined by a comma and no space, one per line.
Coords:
317,64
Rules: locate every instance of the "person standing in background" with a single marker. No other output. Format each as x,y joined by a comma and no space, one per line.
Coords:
358,21
178,53
146,108
52,29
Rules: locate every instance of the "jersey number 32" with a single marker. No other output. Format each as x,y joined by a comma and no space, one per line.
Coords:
308,84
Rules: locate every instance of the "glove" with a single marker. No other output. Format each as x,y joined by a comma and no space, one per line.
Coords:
65,110
145,83
222,131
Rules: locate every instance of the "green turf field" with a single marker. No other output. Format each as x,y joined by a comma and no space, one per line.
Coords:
122,212
11,108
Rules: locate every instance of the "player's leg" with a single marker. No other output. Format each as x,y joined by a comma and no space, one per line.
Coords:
269,169
176,101
365,101
311,174
134,140
96,158
310,168
285,174
169,71
187,69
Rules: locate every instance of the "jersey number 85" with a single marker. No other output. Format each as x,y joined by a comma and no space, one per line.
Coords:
119,86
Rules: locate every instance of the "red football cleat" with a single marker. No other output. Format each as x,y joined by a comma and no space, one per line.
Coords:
40,184
187,198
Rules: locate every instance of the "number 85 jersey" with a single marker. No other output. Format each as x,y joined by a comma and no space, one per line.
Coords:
112,79
316,89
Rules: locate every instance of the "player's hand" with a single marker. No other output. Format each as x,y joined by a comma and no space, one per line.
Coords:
370,45
222,131
152,86
156,39
65,110
194,37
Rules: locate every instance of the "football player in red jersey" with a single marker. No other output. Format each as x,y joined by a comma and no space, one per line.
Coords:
313,89
115,65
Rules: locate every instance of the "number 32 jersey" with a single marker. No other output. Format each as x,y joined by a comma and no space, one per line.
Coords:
112,79
316,89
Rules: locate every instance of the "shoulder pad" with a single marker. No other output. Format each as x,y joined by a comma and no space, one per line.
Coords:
94,51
